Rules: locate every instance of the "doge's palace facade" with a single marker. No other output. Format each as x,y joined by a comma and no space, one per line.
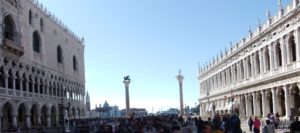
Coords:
41,67
260,74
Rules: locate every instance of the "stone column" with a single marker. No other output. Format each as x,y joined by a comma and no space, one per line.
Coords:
263,99
252,65
38,86
258,104
56,119
271,57
39,119
14,85
261,64
14,120
254,101
48,120
288,51
274,100
27,85
287,101
28,122
297,41
126,82
256,66
180,80
245,68
247,105
283,51
6,83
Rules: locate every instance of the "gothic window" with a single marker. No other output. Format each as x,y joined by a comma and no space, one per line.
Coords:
36,42
30,17
9,28
59,54
75,65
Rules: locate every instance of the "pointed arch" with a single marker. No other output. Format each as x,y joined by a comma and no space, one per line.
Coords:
9,28
59,53
34,111
75,64
292,48
22,112
7,113
36,42
30,17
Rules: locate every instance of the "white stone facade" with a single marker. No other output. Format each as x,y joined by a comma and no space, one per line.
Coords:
41,66
258,75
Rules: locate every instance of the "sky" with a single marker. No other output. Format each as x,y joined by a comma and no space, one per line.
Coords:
151,40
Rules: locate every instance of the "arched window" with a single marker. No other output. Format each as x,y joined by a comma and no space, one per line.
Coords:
257,59
267,59
59,54
41,24
9,28
292,47
278,54
75,65
30,17
36,42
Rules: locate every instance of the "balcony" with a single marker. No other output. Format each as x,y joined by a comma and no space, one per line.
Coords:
12,47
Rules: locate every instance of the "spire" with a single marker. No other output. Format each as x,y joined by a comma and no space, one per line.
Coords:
280,9
250,32
259,24
269,17
199,69
279,4
87,96
295,3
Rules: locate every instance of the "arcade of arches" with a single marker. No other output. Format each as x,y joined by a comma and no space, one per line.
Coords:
27,115
283,100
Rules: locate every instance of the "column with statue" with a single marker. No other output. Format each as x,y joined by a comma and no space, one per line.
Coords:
126,83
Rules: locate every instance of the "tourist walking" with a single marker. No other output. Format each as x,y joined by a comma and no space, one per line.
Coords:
295,126
256,125
250,123
235,124
207,128
269,128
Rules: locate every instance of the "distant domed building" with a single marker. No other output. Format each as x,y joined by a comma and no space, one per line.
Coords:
105,111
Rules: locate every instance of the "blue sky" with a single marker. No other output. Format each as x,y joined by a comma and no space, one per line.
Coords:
150,40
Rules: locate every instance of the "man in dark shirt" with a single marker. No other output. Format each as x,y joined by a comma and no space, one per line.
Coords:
295,126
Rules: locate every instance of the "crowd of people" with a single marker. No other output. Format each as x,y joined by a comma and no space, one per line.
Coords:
228,123
272,123
159,124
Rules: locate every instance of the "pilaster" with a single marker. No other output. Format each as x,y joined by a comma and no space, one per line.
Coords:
274,100
287,101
